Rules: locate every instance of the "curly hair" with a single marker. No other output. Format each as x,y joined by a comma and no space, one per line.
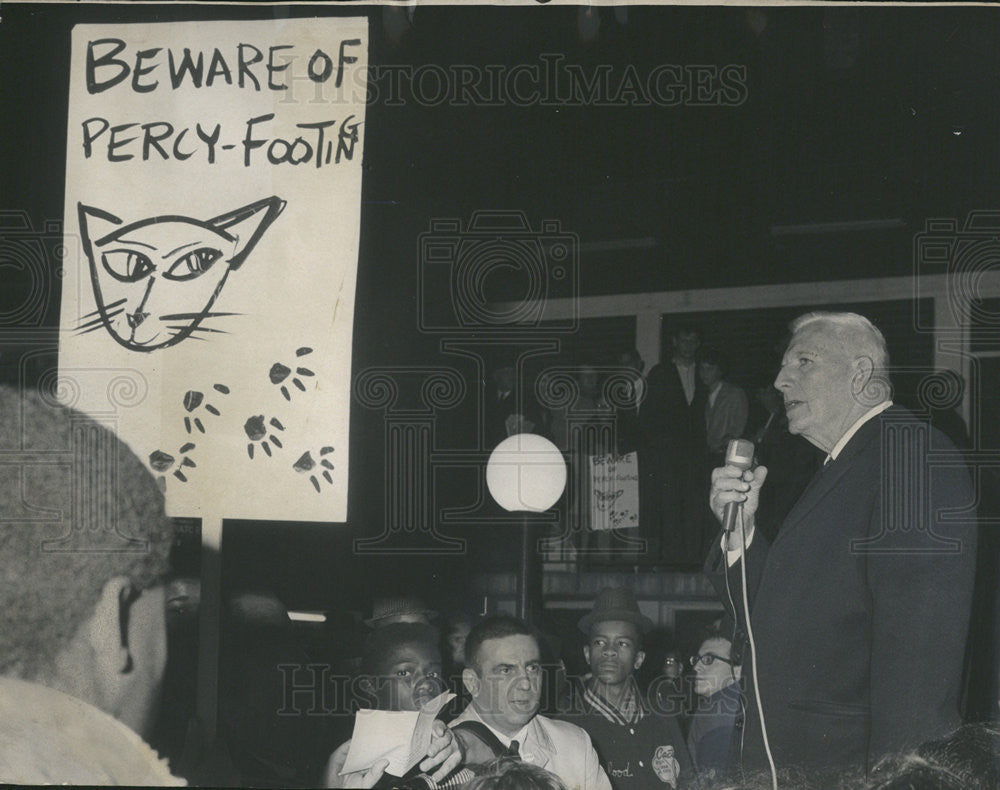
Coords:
77,508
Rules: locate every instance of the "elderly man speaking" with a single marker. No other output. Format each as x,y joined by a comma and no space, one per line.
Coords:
860,606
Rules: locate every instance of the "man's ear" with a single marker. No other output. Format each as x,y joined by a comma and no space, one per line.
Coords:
864,368
639,658
586,654
109,644
471,681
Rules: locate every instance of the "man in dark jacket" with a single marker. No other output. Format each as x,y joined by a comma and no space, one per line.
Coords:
686,454
639,748
860,605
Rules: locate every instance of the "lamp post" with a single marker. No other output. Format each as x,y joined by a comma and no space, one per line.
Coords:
526,474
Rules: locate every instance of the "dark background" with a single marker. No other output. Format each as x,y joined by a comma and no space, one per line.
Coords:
852,114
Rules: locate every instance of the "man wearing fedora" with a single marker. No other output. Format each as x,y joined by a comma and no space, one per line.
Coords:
638,746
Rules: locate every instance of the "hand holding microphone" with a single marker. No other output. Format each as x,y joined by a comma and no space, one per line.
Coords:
736,485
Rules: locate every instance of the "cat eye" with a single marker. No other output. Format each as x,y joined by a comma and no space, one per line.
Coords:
193,264
127,266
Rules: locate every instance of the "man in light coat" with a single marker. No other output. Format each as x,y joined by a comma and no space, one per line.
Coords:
504,676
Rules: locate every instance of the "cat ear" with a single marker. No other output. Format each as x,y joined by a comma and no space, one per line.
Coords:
246,225
96,224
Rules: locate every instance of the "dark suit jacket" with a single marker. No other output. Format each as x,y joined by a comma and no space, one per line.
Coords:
860,606
685,423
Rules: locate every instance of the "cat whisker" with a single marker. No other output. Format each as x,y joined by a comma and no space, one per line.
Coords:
87,331
190,316
99,320
109,306
200,329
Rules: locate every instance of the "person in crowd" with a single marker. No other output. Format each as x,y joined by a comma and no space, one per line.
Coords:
504,678
588,413
510,773
655,469
269,734
684,510
726,405
82,607
389,610
401,671
866,590
627,436
639,747
717,684
508,409
453,635
967,759
671,691
582,427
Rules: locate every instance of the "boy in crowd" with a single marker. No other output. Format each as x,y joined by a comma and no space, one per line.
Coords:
639,748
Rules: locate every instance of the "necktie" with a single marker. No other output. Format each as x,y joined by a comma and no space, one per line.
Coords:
514,750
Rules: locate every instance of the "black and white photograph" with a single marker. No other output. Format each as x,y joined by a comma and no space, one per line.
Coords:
502,396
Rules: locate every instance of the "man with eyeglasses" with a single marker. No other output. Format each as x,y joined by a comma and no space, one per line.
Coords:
716,682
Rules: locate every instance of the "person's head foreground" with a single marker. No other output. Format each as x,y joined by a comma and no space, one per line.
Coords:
84,546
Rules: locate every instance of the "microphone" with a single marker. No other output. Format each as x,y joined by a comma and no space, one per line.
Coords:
739,453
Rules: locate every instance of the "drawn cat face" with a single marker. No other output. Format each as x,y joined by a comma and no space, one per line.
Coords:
155,280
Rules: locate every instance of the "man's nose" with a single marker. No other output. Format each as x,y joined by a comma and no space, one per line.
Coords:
782,380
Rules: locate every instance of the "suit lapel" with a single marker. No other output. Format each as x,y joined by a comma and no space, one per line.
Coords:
540,743
827,476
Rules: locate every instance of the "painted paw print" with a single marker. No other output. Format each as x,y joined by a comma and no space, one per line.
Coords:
194,400
307,464
280,373
163,462
257,433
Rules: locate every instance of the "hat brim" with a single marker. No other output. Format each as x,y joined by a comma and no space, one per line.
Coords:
639,620
430,614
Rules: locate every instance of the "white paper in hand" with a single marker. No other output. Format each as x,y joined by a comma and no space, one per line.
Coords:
401,737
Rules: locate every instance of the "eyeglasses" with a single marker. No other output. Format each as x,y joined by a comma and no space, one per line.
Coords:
708,658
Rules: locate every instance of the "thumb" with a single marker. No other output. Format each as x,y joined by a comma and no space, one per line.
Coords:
376,771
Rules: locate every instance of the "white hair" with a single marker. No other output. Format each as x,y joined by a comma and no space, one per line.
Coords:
855,331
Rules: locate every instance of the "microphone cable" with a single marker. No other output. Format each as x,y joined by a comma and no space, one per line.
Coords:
732,642
753,652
